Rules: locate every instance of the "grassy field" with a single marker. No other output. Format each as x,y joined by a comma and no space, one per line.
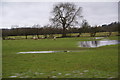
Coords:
99,62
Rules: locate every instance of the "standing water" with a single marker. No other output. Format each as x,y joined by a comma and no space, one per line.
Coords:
44,52
97,43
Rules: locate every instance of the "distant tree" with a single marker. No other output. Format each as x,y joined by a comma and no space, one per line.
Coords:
25,32
16,28
84,27
65,15
112,27
36,30
5,33
94,30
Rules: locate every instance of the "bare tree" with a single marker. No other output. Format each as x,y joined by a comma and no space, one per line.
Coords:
94,30
84,27
66,15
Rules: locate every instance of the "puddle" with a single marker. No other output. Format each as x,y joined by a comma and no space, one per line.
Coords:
98,43
89,44
43,52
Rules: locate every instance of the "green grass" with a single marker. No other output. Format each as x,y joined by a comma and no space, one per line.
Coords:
99,62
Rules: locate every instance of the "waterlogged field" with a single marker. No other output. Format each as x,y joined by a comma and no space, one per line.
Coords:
101,62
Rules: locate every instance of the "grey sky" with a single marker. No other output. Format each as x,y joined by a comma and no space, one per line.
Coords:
30,13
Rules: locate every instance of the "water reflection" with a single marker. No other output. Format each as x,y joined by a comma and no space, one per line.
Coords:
37,52
44,52
97,43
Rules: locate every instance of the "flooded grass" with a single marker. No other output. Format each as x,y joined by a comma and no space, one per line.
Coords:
89,44
98,43
44,52
101,62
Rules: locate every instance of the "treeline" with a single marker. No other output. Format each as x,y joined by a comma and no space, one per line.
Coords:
50,30
30,31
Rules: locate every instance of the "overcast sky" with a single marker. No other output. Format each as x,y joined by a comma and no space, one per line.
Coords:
30,13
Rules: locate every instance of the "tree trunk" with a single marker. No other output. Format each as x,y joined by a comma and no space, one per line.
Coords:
26,36
38,36
79,34
45,35
64,32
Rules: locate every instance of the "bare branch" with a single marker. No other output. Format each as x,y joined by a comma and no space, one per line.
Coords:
65,15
